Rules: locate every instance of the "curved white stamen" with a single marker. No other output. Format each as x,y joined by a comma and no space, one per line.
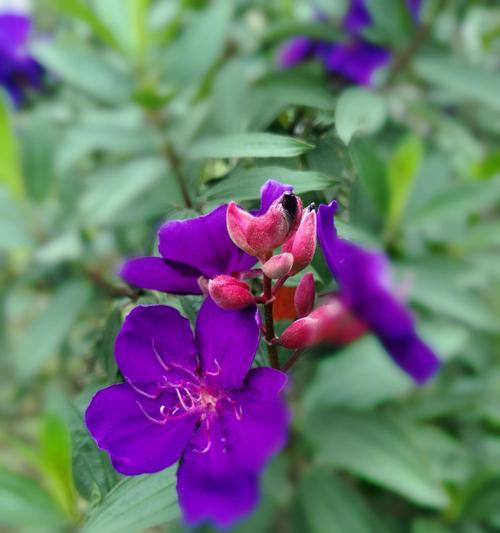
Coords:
217,370
151,418
181,401
141,392
193,399
160,360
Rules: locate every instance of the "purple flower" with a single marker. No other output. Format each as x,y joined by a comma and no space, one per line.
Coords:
295,50
357,17
364,282
18,71
193,399
194,248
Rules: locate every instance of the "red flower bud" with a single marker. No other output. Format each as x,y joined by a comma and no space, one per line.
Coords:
301,333
304,295
278,266
302,244
260,235
327,316
230,293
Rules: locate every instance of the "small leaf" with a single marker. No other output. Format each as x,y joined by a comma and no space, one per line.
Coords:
135,504
403,168
246,184
25,504
10,166
466,80
329,505
249,145
45,334
373,447
359,110
105,347
87,70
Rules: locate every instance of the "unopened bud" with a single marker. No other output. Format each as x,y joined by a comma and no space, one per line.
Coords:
260,235
278,266
230,293
304,295
302,244
301,333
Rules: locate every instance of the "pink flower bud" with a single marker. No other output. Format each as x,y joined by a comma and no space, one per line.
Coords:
302,244
230,293
260,235
304,295
278,266
301,333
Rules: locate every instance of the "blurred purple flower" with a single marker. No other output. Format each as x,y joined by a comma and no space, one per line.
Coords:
354,59
194,248
18,70
364,282
193,399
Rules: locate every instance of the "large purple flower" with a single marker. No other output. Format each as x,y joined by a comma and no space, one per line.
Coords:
364,282
194,248
193,399
18,70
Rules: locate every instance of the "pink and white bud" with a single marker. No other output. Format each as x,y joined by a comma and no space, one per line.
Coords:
300,334
302,245
304,295
260,235
230,293
278,266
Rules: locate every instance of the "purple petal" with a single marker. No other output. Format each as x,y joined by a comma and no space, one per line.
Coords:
155,273
209,486
14,32
227,342
203,243
269,192
357,17
365,286
153,338
413,356
135,444
294,51
256,424
356,60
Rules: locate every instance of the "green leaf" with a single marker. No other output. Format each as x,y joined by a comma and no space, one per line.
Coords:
93,473
10,166
85,69
347,379
373,447
371,171
135,504
126,20
330,505
468,81
55,449
402,171
422,525
25,504
80,10
43,337
111,189
190,57
279,31
106,345
15,231
249,145
245,184
395,29
359,110
464,198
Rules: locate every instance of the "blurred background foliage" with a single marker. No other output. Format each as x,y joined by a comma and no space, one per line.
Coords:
164,109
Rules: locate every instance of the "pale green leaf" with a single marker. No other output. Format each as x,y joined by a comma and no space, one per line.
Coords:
10,166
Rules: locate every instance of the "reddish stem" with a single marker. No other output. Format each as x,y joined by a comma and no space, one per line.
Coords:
293,359
272,350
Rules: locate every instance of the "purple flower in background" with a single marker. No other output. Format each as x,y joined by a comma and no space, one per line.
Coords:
18,70
355,59
193,399
195,248
364,282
